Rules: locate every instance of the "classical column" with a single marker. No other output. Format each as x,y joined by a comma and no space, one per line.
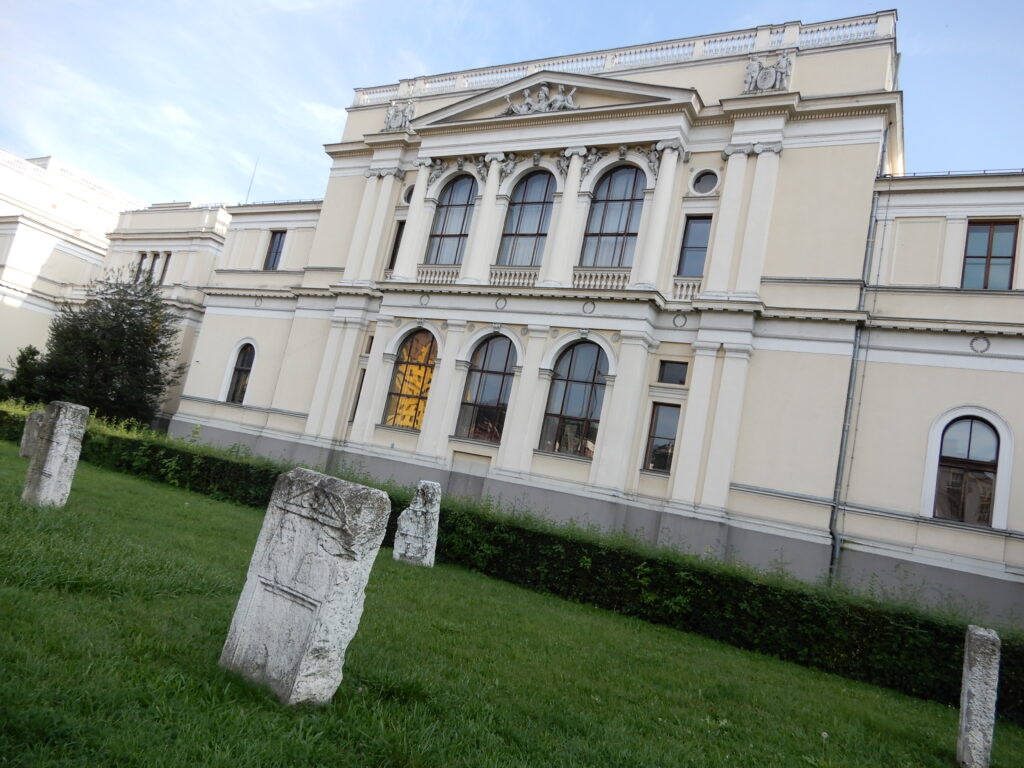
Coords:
726,432
324,379
442,402
526,401
728,219
382,213
375,383
561,257
346,376
690,441
648,263
759,218
414,239
480,252
362,231
616,435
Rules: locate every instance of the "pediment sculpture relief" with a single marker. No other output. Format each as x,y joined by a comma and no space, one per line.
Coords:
768,77
544,101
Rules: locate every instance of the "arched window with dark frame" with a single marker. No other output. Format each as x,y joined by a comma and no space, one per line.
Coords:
573,410
527,221
410,381
450,229
966,482
488,386
240,375
614,219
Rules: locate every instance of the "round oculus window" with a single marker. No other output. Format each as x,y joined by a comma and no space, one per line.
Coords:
705,182
407,195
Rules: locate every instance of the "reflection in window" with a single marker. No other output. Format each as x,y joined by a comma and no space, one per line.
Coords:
450,230
967,472
240,376
526,225
410,382
661,439
614,219
273,258
671,372
488,385
574,402
695,246
988,257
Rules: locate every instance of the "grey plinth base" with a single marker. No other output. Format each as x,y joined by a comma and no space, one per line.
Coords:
30,434
304,592
55,454
416,535
978,698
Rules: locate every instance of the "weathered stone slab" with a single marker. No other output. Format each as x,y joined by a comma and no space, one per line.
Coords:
978,698
55,454
416,535
304,592
30,433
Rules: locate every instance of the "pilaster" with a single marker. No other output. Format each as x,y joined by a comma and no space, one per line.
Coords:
759,217
442,402
364,218
728,220
728,417
646,268
375,383
383,210
480,251
414,240
346,378
560,258
691,438
525,406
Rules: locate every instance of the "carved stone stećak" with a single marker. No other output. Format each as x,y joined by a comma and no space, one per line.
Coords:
304,592
55,455
30,434
545,101
979,688
398,116
768,77
416,534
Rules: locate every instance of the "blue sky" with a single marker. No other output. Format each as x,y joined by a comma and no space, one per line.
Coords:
176,100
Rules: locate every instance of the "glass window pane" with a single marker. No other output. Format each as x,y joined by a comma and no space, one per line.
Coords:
948,494
547,433
698,232
584,361
497,354
576,399
530,219
1002,240
999,275
977,497
589,252
596,401
633,225
555,396
596,216
670,372
605,252
977,240
956,439
974,274
615,218
984,442
490,389
666,419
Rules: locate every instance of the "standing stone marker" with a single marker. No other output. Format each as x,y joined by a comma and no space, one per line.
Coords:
416,535
978,698
30,434
55,455
304,592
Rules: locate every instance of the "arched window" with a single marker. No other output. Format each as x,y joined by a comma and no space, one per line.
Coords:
240,376
967,472
488,385
526,225
574,402
454,212
614,219
410,383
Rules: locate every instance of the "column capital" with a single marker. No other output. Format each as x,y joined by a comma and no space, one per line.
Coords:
461,365
773,147
398,173
494,157
570,151
707,348
741,351
736,149
390,357
640,338
457,326
423,162
538,331
673,144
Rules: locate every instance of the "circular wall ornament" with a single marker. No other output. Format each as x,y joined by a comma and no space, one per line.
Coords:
500,303
589,307
616,336
980,344
258,302
679,320
554,333
424,299
523,331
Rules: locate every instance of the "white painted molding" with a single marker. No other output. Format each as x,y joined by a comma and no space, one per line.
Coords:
606,164
556,349
409,327
470,344
230,368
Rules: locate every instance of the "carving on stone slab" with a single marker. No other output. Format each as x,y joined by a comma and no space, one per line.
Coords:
481,163
55,454
416,534
979,687
508,166
653,156
623,151
30,434
591,158
544,102
304,591
767,77
398,116
535,158
437,169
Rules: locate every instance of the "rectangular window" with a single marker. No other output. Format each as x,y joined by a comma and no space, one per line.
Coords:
167,263
274,251
359,392
399,231
670,372
662,438
140,270
695,246
988,255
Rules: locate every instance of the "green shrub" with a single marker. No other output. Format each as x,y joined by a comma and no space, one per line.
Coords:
897,647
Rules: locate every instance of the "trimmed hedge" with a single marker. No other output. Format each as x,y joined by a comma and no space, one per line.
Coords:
881,644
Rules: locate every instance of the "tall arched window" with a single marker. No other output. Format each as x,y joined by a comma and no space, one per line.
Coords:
454,212
240,376
526,225
614,219
574,402
410,382
967,472
488,384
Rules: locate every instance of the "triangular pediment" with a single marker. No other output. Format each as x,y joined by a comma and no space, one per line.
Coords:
546,93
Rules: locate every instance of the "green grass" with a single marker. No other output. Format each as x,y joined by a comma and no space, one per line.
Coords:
113,612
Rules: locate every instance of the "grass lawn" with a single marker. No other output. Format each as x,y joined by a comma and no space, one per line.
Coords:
113,612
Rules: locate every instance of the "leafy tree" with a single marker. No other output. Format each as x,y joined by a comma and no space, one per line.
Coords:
115,353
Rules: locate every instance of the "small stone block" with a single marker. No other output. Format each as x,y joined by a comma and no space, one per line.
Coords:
416,535
30,434
305,588
55,454
978,698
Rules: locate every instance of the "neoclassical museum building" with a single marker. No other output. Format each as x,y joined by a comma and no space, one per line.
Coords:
684,290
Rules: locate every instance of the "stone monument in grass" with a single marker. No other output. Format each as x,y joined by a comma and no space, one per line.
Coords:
978,698
54,458
416,535
30,433
304,592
